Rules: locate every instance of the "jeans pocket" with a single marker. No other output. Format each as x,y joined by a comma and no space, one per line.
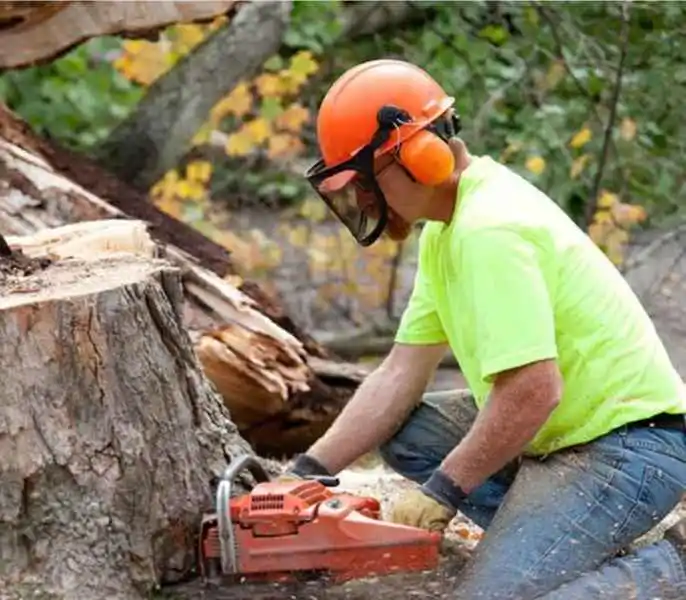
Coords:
657,495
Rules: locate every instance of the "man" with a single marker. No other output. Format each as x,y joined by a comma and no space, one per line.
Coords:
571,441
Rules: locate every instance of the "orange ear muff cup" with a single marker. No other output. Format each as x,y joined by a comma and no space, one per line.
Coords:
427,157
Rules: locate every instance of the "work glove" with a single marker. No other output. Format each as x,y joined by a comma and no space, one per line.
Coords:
432,506
304,466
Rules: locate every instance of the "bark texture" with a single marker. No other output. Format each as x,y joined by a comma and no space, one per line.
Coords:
110,435
158,133
37,32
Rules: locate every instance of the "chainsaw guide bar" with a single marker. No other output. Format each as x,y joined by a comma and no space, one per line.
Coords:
300,530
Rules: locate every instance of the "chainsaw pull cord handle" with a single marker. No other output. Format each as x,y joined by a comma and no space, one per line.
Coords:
227,542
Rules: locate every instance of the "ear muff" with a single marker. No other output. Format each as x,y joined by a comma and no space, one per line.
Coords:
427,157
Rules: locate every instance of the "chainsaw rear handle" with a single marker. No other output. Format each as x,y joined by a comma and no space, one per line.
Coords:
327,480
248,462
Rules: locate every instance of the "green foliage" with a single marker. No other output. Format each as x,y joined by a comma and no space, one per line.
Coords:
534,83
314,26
76,99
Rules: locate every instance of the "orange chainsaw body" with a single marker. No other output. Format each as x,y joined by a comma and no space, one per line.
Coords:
285,530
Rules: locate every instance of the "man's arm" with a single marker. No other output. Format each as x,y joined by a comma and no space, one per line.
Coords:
520,402
515,352
379,406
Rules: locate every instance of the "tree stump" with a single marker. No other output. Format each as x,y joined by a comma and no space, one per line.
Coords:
110,435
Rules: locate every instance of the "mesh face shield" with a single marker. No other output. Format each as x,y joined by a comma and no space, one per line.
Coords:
350,188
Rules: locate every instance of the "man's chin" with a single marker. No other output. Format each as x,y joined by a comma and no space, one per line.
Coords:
398,230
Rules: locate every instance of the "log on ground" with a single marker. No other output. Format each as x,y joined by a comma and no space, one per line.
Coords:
110,434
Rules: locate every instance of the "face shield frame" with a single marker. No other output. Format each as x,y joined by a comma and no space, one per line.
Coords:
363,179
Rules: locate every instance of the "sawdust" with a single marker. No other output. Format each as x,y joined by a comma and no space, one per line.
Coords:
15,265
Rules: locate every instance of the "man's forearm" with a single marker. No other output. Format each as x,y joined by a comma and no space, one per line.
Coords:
500,433
374,413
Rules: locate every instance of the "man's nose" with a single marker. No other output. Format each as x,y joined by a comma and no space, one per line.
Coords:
367,203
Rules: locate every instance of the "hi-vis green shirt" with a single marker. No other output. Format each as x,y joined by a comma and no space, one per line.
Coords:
512,280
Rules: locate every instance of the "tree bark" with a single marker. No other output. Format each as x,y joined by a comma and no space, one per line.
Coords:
110,435
158,133
37,32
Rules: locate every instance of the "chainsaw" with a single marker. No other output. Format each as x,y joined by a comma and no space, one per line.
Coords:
297,530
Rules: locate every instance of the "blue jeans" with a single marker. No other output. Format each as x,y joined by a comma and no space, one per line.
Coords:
556,526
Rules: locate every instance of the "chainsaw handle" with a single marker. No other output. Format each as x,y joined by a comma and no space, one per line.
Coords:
248,462
227,540
326,480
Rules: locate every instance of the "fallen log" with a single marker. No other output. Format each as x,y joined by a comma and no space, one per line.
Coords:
38,32
110,434
280,386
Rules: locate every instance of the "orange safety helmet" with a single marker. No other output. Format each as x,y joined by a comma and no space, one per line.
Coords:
377,107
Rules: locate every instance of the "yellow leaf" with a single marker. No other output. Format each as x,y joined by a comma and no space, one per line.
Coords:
603,217
188,36
239,143
293,118
313,209
615,243
191,190
237,103
607,199
303,63
535,164
202,136
284,144
581,138
165,188
511,149
627,129
298,236
301,66
199,170
628,214
171,206
144,61
578,165
269,85
258,129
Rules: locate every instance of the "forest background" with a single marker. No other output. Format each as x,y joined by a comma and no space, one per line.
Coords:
583,99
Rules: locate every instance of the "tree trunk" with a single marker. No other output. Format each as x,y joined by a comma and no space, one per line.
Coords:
158,133
110,435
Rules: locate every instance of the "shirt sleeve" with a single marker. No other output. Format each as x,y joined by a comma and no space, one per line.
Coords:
513,317
420,323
